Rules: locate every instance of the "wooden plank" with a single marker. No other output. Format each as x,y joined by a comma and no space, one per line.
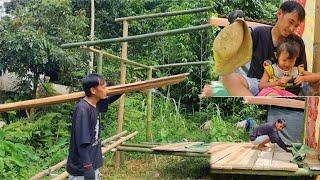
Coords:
264,161
216,21
281,161
215,157
219,146
233,158
283,102
248,160
112,90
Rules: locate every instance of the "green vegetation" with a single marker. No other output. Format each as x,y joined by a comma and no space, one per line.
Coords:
30,45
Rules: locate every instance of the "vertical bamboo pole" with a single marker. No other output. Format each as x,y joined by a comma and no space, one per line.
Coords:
99,63
316,45
124,55
91,36
149,109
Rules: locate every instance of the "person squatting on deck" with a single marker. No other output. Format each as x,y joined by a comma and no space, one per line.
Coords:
268,132
85,154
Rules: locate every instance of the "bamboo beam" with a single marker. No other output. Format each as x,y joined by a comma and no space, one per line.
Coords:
112,90
216,21
181,64
157,67
64,162
316,43
283,102
165,14
151,151
149,110
124,55
104,150
121,59
137,37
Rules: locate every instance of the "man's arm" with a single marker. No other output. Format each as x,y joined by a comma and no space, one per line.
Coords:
274,138
103,104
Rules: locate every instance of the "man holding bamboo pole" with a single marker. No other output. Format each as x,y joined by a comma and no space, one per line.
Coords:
85,155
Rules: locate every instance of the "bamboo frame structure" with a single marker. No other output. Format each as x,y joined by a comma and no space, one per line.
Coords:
165,14
112,90
137,37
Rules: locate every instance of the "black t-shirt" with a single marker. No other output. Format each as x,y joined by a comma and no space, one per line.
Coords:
85,145
263,49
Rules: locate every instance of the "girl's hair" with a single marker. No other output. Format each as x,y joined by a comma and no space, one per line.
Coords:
289,45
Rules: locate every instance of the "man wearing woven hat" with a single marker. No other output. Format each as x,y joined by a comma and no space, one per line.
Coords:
233,48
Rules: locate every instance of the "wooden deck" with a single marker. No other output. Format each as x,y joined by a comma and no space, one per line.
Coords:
245,156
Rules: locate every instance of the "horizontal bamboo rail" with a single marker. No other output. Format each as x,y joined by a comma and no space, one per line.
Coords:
137,37
165,14
112,90
104,150
217,21
151,151
118,58
47,172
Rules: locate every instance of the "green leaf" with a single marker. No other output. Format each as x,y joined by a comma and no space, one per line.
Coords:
1,164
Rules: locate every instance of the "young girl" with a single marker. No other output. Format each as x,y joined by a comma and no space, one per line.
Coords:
278,79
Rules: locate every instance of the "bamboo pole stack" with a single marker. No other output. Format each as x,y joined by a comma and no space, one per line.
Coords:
112,90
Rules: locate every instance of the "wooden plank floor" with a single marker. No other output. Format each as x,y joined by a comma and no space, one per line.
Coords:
247,156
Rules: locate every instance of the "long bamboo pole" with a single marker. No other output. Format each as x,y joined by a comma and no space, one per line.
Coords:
137,37
124,55
316,45
151,151
117,58
149,110
104,150
62,163
91,35
112,90
165,14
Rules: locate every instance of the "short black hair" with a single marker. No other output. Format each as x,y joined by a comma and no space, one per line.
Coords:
289,45
92,81
291,6
282,121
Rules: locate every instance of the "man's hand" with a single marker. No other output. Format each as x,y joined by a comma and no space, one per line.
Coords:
234,15
89,172
299,80
206,92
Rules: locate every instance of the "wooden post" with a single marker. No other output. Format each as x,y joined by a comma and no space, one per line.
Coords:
149,110
99,63
124,55
316,46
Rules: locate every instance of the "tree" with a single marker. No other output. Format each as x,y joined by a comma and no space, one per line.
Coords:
31,38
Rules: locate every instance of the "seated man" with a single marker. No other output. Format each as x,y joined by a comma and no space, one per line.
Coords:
268,132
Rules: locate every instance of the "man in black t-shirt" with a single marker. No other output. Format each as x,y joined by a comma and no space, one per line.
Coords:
85,155
265,40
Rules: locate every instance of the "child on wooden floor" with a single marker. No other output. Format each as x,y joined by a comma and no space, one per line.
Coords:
268,132
279,77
